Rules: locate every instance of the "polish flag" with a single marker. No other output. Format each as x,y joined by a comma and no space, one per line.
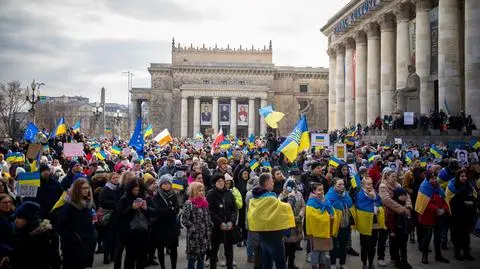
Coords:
163,137
218,139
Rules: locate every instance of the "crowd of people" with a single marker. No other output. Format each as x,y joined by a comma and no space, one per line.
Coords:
132,208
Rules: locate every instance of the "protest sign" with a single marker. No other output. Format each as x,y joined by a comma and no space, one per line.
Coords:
320,139
73,149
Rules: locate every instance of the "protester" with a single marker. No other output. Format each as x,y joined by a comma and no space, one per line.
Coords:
7,217
107,202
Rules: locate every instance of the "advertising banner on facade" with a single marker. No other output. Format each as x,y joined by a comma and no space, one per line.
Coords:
242,115
224,116
206,114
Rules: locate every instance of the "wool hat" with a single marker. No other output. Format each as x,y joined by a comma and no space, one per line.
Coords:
216,177
398,192
29,211
79,175
315,165
167,178
43,168
221,161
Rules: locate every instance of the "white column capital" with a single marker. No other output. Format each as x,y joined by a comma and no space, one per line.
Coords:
360,37
404,12
349,43
373,30
340,49
423,5
387,22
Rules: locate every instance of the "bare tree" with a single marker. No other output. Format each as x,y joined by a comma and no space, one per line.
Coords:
12,101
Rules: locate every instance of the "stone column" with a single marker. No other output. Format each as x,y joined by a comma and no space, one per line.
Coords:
361,78
196,115
403,45
472,60
251,116
263,125
340,87
133,115
388,66
332,101
423,54
449,56
349,85
215,114
233,116
373,72
184,118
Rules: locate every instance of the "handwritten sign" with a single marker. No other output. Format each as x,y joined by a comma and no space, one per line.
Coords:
27,190
33,150
73,149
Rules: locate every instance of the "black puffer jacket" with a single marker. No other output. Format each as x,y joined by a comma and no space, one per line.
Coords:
165,228
222,210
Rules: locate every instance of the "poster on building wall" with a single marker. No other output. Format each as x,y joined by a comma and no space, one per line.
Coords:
224,114
412,40
206,114
433,18
407,118
242,115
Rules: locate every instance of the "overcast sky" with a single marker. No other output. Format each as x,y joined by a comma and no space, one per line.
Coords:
77,46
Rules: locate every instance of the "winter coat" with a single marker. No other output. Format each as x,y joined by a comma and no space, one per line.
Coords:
222,208
238,197
34,249
298,206
47,195
199,226
429,216
386,194
165,169
6,233
164,225
240,183
77,234
375,173
463,215
108,198
309,178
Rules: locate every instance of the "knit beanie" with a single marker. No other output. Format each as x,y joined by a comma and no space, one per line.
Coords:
29,211
43,168
167,178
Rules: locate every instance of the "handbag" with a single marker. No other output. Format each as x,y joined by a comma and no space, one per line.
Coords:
139,222
103,216
237,235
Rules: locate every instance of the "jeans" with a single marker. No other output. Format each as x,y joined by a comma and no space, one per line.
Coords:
196,260
398,247
367,247
252,245
427,232
340,244
272,250
320,258
382,241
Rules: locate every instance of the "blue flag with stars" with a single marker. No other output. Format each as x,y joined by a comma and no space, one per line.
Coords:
137,140
30,132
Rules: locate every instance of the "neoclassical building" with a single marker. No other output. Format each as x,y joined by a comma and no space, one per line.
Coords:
372,43
208,88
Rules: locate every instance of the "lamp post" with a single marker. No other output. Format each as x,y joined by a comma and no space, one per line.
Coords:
97,111
117,117
33,97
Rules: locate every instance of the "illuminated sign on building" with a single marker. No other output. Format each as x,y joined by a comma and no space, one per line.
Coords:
357,14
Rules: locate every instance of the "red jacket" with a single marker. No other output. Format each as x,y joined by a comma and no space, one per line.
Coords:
374,173
429,216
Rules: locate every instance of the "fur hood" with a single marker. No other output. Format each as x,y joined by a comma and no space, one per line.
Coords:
80,206
44,226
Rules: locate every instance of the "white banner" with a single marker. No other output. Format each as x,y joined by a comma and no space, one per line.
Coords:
407,118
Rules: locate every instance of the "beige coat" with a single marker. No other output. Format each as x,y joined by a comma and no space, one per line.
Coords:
386,194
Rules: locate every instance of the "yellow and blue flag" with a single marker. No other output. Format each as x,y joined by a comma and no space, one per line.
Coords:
76,127
251,141
423,162
318,217
30,132
96,147
270,116
15,157
148,131
409,157
475,143
225,144
425,193
371,157
335,162
339,203
297,141
116,150
254,164
177,184
198,136
30,179
267,214
229,154
60,129
267,165
452,191
35,165
356,181
365,211
101,155
350,141
436,152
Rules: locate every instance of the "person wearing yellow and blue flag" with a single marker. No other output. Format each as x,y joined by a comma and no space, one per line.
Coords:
369,220
341,232
433,212
319,225
462,198
270,218
448,173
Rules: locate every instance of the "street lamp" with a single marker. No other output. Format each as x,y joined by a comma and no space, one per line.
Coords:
97,111
117,117
34,97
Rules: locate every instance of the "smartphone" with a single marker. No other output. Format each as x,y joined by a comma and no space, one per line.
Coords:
138,200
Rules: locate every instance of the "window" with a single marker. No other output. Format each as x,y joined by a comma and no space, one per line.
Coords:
304,88
241,82
206,82
223,82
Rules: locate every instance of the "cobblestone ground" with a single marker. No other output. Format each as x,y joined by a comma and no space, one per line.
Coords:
352,262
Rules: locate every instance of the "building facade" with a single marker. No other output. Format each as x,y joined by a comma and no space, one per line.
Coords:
205,89
371,43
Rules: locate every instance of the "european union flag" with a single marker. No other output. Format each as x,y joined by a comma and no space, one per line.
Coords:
30,132
137,141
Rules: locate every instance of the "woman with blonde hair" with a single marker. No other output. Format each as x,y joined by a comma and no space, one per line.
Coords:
197,221
77,234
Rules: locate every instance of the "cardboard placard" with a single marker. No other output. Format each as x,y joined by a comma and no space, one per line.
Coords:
33,150
398,141
27,190
73,149
320,139
340,151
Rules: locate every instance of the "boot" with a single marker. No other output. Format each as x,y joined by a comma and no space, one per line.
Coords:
458,255
440,258
425,258
467,256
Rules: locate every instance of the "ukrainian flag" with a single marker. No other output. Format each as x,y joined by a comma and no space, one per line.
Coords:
339,203
253,164
271,117
335,162
409,157
148,131
60,202
251,141
116,150
96,147
371,157
239,142
356,181
266,213
350,141
225,144
423,162
425,193
317,217
229,154
76,127
15,157
452,191
297,141
267,165
436,152
474,143
30,179
364,213
352,133
35,165
61,128
101,155
177,184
